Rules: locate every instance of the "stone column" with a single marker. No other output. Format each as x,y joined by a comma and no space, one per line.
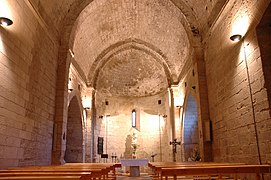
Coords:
88,136
203,110
93,124
172,120
61,112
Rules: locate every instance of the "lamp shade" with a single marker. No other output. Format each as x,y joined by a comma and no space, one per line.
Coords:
236,37
5,21
86,101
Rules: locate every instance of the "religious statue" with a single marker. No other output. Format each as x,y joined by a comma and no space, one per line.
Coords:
134,145
194,155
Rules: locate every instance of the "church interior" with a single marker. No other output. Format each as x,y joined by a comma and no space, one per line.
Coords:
100,81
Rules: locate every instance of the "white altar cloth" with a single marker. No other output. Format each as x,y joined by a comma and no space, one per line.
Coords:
134,162
134,165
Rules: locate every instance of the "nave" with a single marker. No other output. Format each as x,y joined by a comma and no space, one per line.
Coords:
135,79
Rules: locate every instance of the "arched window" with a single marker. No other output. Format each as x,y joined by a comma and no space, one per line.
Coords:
133,118
136,119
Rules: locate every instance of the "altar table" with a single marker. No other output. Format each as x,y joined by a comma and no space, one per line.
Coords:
134,165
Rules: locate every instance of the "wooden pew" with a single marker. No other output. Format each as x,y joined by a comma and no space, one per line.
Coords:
110,166
49,171
219,169
157,166
70,171
43,175
41,178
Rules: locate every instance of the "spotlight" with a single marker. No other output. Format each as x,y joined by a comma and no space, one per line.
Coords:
70,90
5,21
236,37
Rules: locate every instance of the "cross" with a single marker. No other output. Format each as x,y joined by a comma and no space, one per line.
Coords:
174,143
152,157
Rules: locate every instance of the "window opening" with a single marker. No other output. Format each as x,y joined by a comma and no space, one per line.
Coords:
134,118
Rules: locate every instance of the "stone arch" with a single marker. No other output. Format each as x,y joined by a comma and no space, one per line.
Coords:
264,39
124,45
67,32
190,128
75,149
75,94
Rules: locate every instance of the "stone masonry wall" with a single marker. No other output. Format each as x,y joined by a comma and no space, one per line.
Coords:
28,61
238,100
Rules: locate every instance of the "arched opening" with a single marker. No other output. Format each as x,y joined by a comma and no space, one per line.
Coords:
264,40
74,136
191,137
261,124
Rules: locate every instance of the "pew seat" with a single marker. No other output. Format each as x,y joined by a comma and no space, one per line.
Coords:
41,177
165,170
80,171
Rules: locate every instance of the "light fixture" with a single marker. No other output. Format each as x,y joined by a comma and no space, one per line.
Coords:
86,102
70,90
5,21
236,37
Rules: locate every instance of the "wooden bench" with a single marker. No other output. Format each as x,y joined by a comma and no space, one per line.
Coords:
164,170
80,171
157,166
110,166
41,177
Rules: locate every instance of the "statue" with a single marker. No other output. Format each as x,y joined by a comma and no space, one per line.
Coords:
194,155
134,145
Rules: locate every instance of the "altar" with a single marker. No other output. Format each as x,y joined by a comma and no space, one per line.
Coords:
134,165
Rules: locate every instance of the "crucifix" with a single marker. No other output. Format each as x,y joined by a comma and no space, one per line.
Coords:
152,157
174,143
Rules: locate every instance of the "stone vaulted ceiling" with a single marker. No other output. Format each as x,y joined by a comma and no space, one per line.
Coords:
155,23
130,47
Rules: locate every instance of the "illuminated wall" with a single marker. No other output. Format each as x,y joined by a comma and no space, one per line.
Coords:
153,133
239,107
28,61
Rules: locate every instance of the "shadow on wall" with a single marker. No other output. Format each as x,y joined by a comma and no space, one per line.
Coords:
74,136
191,137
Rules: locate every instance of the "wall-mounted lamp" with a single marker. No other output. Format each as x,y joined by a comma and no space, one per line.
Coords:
236,37
5,21
86,101
70,90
